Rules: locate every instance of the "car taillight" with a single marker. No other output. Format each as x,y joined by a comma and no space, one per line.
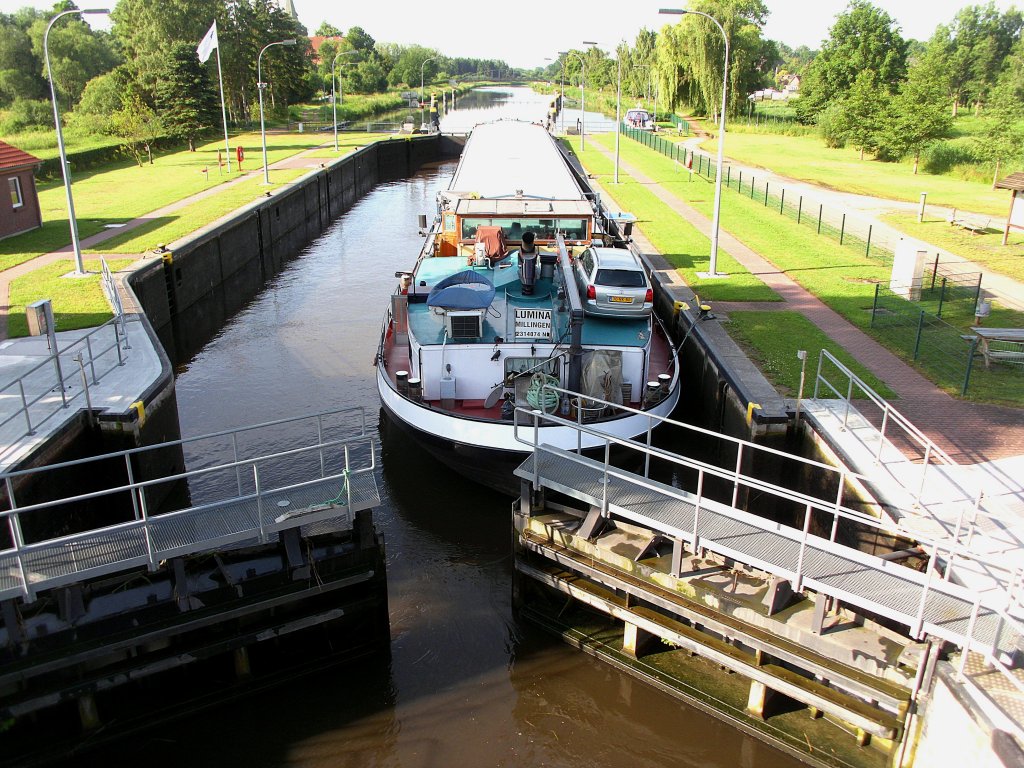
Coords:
649,296
591,292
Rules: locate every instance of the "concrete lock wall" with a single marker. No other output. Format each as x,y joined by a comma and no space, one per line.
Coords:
208,276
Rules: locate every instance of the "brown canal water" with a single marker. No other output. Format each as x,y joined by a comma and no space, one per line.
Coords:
467,682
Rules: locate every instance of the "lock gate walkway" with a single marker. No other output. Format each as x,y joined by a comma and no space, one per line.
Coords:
246,497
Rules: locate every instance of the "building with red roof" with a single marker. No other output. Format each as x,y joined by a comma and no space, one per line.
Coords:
19,206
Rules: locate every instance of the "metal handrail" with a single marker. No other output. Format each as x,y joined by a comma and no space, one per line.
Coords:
836,509
970,640
887,410
137,490
954,548
187,440
62,381
931,449
143,484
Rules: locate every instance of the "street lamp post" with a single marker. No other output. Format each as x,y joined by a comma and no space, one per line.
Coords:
261,86
583,103
422,65
72,221
713,267
334,98
618,107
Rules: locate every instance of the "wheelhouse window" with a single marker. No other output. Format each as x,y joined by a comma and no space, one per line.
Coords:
15,186
542,229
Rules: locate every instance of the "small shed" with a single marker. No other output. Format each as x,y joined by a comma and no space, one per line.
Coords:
1015,219
19,206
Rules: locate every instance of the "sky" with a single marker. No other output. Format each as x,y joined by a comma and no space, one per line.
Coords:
526,31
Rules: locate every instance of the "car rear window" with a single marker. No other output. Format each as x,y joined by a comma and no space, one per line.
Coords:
620,278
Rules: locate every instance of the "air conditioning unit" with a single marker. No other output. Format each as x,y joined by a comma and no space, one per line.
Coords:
467,324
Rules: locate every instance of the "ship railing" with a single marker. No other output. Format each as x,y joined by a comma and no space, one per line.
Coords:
986,627
52,386
241,498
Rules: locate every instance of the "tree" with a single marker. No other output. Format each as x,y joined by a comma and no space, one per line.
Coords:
327,29
862,112
20,70
186,97
146,31
136,125
690,55
1003,138
973,49
863,39
102,97
77,54
917,115
408,61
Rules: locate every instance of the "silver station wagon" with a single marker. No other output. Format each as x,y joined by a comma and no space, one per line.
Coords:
613,283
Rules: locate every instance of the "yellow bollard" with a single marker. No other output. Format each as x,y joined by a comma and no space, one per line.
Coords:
750,411
140,408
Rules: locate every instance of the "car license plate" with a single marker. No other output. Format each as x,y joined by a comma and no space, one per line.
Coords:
622,299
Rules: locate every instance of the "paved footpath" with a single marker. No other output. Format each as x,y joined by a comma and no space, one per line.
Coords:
300,160
969,432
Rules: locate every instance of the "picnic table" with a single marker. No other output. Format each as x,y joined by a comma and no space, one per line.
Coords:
1001,344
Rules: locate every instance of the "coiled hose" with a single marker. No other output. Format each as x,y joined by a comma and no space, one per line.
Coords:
538,397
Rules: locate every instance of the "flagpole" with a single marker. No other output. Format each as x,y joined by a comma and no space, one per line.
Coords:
223,110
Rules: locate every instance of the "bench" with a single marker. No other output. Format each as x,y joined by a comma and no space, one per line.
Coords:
1005,345
974,224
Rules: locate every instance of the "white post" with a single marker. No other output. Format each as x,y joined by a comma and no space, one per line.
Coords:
223,110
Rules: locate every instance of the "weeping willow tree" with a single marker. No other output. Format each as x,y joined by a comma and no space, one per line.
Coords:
690,54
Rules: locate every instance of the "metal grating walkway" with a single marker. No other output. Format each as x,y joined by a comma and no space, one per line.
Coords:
238,521
870,583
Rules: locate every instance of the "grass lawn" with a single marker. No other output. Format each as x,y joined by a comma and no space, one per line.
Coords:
806,158
43,143
184,221
122,191
772,339
682,245
78,302
844,280
986,250
841,278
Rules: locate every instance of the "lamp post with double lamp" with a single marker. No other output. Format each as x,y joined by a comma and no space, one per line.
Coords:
334,97
561,90
261,86
422,65
713,267
583,104
618,106
72,221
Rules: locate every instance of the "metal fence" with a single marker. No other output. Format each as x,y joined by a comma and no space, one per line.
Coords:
915,326
851,233
925,338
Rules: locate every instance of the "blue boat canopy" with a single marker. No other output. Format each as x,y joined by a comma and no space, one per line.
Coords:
463,290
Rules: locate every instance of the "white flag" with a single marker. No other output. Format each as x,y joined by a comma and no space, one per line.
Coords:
208,43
